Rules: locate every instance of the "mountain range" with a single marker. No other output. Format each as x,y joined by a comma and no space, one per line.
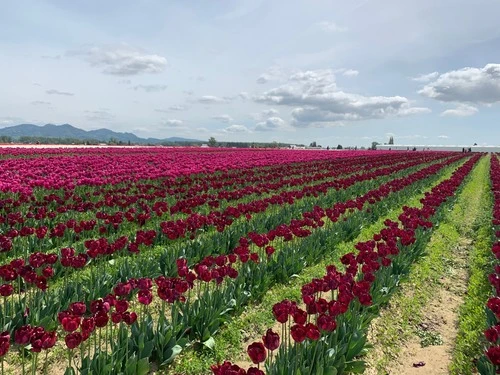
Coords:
69,131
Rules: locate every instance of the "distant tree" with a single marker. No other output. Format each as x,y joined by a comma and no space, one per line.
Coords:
374,145
128,142
212,142
339,147
313,144
391,140
5,139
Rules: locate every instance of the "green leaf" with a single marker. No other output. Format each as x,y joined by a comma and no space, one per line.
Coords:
175,351
210,343
356,367
331,371
143,366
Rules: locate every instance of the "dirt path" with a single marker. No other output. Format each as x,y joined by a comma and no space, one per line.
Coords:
439,325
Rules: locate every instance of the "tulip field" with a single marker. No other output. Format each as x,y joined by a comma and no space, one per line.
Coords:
132,260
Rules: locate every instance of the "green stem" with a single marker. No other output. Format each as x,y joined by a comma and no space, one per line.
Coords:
69,359
45,362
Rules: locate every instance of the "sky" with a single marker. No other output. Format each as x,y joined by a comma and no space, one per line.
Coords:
334,72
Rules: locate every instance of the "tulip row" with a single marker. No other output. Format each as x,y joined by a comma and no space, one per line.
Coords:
489,363
71,230
329,333
115,307
210,269
102,246
113,166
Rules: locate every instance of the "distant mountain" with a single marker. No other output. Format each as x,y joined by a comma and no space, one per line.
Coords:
69,131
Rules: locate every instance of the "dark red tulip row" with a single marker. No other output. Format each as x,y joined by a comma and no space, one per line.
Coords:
328,298
113,166
103,220
218,268
189,226
212,267
123,196
492,334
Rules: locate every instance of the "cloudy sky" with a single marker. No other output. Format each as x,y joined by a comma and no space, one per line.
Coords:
348,72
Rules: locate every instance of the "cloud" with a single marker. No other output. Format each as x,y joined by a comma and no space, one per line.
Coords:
223,118
463,110
124,81
210,99
350,73
442,136
9,121
236,129
57,92
271,124
467,85
330,27
177,108
424,78
173,123
40,102
317,102
101,114
244,95
274,73
151,88
122,60
264,114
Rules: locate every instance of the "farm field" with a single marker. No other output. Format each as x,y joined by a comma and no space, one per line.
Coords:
224,261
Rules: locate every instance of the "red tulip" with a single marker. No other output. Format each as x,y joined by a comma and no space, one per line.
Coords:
72,340
271,340
257,352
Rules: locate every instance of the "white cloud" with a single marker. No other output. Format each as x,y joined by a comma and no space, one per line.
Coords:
210,99
462,110
424,78
173,123
330,27
40,102
122,60
236,129
272,123
177,108
318,102
223,118
151,88
124,81
350,73
274,73
57,92
467,85
264,114
442,136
